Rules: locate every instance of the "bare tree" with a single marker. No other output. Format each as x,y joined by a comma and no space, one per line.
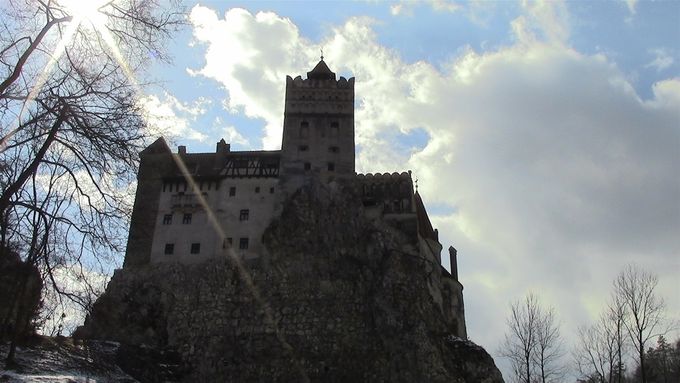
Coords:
615,317
635,288
549,347
532,343
598,351
71,126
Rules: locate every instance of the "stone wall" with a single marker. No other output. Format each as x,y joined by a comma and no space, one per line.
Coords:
340,298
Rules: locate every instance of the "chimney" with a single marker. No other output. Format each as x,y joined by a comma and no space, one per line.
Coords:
223,147
453,257
182,149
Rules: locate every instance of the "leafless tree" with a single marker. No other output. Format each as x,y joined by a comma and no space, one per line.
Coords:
615,317
549,347
598,354
71,126
532,343
644,321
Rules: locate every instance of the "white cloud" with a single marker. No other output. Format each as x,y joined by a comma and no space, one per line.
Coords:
172,118
405,7
557,171
250,55
662,59
547,21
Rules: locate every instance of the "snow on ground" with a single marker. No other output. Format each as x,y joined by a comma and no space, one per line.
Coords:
61,360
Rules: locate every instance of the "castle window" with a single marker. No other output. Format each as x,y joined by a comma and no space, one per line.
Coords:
308,166
331,167
304,129
243,216
257,189
230,241
334,149
271,190
186,219
243,243
195,248
169,248
335,127
167,219
303,148
232,191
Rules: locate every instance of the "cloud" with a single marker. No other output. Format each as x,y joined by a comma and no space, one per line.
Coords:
406,7
542,21
250,55
631,4
662,59
557,173
169,117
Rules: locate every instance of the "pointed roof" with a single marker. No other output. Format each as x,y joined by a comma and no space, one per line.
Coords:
424,225
321,72
160,146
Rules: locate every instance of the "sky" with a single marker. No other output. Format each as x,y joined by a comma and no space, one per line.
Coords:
545,136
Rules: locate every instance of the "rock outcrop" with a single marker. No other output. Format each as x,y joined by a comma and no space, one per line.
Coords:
339,298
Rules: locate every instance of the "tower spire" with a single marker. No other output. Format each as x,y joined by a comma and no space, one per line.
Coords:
321,54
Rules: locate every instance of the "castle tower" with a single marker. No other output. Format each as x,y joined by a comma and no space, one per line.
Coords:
318,127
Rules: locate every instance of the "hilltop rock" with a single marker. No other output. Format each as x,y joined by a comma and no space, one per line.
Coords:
339,298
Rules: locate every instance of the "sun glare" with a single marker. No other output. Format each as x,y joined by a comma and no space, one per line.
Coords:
86,11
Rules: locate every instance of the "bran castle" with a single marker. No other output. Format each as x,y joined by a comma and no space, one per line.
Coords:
191,207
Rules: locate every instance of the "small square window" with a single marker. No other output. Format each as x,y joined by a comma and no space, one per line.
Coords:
244,215
331,167
243,243
334,149
195,248
257,189
303,148
167,219
308,166
186,219
232,191
169,248
271,190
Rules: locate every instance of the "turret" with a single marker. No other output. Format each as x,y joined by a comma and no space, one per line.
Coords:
318,127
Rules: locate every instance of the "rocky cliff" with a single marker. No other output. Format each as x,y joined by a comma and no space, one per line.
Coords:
339,298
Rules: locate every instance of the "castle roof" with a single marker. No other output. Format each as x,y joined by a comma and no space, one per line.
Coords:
425,228
321,72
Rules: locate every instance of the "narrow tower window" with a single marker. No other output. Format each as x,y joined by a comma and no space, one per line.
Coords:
304,129
186,219
169,248
167,219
